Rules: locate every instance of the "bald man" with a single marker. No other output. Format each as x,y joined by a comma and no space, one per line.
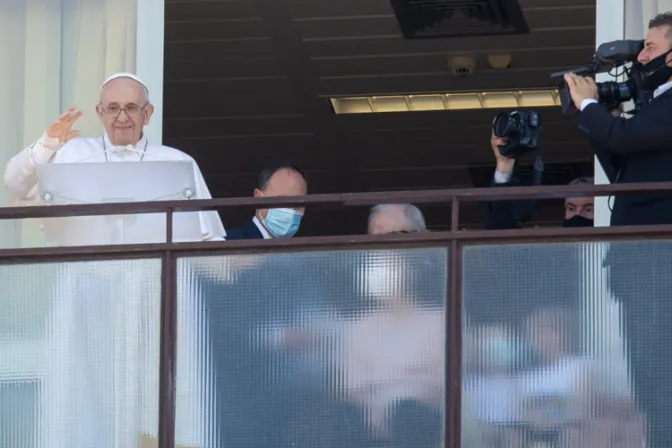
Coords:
396,218
100,385
282,180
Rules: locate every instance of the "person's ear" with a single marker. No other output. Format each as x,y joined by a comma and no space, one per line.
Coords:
100,112
149,111
257,193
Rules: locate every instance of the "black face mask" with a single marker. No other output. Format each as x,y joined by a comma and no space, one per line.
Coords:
656,72
577,221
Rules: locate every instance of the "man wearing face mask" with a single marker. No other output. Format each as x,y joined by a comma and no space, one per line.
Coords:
284,180
510,214
639,149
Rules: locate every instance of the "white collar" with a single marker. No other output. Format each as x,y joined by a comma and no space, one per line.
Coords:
262,229
140,146
662,89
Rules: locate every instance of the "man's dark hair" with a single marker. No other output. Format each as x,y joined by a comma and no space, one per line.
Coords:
663,19
267,173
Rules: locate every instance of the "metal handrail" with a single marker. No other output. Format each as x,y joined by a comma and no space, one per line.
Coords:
338,199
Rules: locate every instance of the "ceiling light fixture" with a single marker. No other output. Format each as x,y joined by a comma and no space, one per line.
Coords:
445,101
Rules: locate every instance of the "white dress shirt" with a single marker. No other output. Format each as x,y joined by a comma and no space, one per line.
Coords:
262,229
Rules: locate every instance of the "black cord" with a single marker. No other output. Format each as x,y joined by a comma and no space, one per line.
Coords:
610,197
528,207
537,169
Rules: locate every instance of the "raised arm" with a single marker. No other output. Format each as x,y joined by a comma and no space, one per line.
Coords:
21,174
511,213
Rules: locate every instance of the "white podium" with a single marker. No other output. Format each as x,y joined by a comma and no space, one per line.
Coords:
96,183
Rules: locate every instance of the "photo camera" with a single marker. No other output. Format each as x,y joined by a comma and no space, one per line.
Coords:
522,129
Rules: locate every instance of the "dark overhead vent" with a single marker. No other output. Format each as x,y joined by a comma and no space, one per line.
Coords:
452,18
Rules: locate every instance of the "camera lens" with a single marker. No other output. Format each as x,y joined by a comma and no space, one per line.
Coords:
613,93
506,125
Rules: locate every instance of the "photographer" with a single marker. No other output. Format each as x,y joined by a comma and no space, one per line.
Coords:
640,150
510,214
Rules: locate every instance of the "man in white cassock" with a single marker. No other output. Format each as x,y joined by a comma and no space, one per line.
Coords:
100,384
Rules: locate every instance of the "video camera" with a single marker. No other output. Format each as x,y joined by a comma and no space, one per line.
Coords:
611,94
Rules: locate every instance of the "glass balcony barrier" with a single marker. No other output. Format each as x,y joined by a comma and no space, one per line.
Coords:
537,337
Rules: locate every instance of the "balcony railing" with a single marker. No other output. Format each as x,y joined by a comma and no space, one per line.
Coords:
479,263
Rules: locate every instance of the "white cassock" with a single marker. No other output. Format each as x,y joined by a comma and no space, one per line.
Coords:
100,383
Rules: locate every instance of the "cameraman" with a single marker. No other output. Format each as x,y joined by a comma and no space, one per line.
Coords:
640,150
510,214
637,149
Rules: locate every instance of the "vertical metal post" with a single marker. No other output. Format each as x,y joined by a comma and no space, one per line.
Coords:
453,382
168,344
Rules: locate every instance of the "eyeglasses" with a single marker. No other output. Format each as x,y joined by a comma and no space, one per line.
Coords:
132,110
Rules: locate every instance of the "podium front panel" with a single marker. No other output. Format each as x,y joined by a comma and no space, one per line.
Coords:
79,353
93,183
109,183
120,229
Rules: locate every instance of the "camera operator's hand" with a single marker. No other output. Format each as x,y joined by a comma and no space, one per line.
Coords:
504,164
581,88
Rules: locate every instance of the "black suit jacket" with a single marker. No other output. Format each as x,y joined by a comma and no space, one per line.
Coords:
509,214
634,150
249,231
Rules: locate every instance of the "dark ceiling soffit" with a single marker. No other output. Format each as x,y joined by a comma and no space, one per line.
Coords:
453,18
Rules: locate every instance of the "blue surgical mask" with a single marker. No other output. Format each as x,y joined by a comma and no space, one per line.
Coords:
282,222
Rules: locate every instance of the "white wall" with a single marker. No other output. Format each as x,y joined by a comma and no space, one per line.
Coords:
610,26
149,60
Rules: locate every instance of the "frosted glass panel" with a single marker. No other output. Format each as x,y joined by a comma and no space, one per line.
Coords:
323,349
79,353
568,344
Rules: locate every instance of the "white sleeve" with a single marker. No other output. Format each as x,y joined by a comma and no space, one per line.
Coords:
20,173
502,178
587,102
212,228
